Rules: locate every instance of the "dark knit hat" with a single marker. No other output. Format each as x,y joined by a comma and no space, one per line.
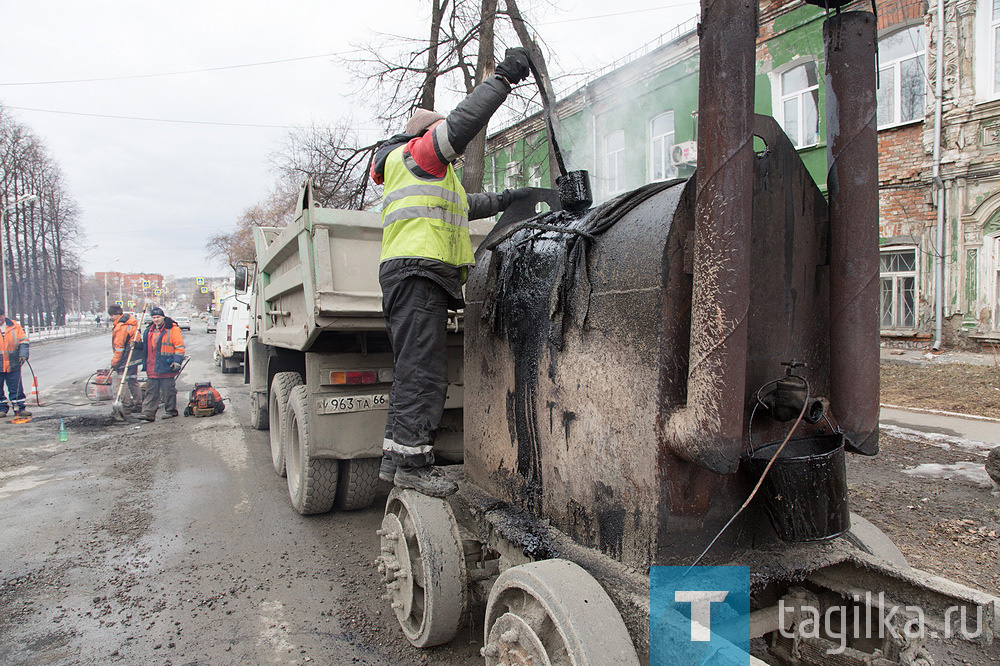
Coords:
156,311
421,120
114,310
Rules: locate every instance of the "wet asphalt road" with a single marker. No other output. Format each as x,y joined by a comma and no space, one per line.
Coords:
174,542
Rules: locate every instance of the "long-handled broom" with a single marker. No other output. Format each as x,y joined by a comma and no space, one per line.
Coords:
117,409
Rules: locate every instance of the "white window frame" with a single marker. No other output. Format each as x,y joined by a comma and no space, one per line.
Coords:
991,245
985,56
664,150
897,81
896,277
779,99
614,163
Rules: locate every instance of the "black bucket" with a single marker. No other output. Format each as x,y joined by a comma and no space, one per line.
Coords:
574,191
805,492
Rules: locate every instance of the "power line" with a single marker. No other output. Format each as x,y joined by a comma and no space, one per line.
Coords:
177,73
152,120
632,11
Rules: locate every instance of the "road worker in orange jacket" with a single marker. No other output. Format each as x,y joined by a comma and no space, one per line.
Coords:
163,354
126,330
14,350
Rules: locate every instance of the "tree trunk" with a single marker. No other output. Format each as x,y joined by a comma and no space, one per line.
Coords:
475,152
430,80
521,28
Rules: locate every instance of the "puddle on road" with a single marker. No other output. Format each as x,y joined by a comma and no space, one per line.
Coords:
22,483
969,471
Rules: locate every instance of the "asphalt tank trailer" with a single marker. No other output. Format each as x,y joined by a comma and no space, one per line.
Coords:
633,369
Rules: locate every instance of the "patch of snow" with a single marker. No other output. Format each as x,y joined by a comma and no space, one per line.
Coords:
969,471
939,440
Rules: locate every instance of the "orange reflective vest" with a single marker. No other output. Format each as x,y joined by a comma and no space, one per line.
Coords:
163,347
125,330
13,345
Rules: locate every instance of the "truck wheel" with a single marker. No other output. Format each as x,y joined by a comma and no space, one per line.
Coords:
358,483
423,567
277,406
258,412
554,612
312,482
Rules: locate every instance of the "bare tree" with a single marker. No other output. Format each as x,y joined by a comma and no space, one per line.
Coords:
238,245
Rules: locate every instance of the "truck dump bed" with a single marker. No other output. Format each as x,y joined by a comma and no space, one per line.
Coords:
320,273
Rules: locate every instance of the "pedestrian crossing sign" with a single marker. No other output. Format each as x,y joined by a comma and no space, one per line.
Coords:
119,303
145,284
131,304
204,290
199,281
157,291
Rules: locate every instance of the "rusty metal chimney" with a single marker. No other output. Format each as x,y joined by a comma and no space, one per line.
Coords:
708,430
852,182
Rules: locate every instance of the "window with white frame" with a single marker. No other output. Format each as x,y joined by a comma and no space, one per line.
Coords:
901,77
614,161
898,288
798,104
987,55
994,276
536,176
661,144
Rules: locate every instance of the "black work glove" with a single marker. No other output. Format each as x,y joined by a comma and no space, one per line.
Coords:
515,66
175,366
507,197
22,360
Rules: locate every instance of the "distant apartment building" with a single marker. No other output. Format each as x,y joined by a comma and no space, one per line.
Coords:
634,122
135,287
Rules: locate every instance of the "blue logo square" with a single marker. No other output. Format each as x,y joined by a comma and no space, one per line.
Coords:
693,614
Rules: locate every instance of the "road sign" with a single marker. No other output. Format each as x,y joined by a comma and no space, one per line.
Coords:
145,284
199,281
157,291
119,303
204,290
131,304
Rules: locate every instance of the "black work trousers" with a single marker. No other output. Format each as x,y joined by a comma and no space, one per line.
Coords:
416,315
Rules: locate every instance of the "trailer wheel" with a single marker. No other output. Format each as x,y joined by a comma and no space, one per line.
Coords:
554,612
258,412
358,483
423,567
277,407
312,482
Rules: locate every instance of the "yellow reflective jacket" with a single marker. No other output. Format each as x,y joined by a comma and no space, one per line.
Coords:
425,218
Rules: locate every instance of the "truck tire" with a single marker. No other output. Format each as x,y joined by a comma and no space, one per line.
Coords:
258,412
312,482
277,406
357,484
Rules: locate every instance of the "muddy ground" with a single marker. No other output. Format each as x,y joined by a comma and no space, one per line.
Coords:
953,387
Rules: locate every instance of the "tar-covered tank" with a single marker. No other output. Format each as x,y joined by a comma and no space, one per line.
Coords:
673,377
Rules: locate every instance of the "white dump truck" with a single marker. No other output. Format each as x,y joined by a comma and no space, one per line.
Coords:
319,362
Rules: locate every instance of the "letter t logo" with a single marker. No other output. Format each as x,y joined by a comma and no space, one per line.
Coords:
701,610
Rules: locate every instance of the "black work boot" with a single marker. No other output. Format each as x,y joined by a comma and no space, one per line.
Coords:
387,469
427,480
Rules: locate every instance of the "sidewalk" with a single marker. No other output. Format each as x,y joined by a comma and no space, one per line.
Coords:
923,357
73,330
947,428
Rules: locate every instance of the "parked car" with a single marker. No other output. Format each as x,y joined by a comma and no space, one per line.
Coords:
211,324
184,323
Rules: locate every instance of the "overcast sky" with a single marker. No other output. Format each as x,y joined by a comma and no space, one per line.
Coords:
152,192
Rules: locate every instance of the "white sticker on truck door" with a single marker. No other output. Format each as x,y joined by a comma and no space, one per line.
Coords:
342,404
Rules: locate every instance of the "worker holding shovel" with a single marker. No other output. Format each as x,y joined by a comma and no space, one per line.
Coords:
125,331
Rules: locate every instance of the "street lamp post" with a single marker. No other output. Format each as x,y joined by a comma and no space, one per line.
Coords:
106,285
3,254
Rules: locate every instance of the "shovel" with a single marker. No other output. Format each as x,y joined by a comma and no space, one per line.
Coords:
117,409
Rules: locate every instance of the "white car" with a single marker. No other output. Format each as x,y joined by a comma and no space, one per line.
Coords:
183,323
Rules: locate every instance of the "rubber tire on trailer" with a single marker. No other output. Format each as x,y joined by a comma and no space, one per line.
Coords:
277,405
258,413
312,482
358,483
559,615
420,539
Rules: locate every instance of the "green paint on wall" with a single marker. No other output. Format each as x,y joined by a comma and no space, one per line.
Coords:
993,224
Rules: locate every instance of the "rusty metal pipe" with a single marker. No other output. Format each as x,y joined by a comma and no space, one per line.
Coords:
708,430
852,181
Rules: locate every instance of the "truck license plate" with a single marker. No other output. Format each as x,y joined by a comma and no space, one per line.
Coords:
342,404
